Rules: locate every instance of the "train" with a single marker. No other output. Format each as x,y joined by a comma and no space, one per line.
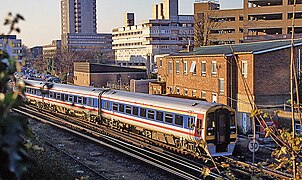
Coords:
183,123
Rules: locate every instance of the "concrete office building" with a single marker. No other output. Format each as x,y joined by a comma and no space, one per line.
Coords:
79,26
12,45
166,32
258,20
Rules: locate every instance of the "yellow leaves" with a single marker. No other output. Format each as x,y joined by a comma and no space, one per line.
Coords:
268,132
255,112
205,172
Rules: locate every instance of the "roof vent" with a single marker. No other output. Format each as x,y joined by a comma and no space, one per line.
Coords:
194,104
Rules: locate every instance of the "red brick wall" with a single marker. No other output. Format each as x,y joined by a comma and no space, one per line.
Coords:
197,82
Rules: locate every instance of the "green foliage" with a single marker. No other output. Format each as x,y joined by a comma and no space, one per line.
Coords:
13,153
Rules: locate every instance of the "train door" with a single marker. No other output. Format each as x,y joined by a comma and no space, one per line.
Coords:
198,128
222,130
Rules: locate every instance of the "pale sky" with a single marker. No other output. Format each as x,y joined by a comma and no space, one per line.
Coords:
43,17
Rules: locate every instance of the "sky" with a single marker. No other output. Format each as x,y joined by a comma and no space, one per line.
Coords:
43,19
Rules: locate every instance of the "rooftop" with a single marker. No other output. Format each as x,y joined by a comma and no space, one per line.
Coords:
247,48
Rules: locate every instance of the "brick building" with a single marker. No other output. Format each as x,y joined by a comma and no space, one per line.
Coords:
99,75
258,20
212,73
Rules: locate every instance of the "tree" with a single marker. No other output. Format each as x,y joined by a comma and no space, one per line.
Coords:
13,153
203,24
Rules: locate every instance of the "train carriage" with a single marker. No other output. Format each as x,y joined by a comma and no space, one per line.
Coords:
69,99
182,123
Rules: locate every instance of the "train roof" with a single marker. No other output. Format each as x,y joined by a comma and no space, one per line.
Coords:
72,89
164,101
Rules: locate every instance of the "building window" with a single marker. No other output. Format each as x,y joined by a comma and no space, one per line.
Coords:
185,67
193,68
177,67
214,68
170,67
203,68
244,69
161,62
185,92
194,93
177,90
214,97
203,95
221,86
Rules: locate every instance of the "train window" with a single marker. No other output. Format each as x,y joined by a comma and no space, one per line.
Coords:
70,98
58,96
128,109
27,90
95,102
142,112
89,101
104,105
80,100
38,92
121,108
84,100
210,124
75,99
150,114
63,97
191,122
159,116
179,120
115,106
135,111
51,94
32,91
168,118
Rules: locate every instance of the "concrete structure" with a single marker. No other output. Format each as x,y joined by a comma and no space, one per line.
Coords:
49,53
98,75
212,73
166,32
141,85
129,19
79,27
12,46
158,87
36,51
258,20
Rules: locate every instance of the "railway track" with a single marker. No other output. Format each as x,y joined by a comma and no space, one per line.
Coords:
157,157
140,148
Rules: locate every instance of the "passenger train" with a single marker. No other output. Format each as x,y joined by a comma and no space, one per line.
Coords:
182,123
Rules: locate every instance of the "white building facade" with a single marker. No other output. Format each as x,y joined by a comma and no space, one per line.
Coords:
138,44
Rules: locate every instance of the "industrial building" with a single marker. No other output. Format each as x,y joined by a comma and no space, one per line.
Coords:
99,75
259,20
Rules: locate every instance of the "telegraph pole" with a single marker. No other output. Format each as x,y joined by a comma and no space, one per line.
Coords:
291,86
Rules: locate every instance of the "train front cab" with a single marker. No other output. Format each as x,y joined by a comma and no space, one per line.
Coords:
220,131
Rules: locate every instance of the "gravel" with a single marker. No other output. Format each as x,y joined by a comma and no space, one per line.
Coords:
51,163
